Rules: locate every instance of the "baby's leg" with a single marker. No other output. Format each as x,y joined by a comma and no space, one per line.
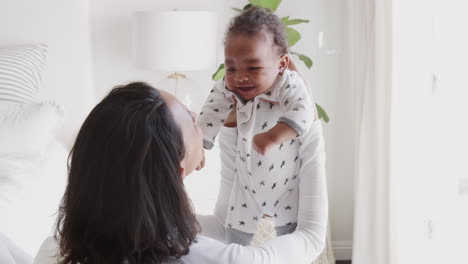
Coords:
286,229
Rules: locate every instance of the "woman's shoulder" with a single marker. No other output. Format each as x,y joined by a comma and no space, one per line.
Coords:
205,250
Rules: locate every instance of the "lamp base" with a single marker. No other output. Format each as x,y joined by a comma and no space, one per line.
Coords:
180,86
176,76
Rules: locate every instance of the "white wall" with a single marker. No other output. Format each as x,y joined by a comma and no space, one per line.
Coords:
65,29
112,65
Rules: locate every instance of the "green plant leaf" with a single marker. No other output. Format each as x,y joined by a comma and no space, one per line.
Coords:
247,6
285,19
295,21
307,61
219,73
270,4
322,114
293,36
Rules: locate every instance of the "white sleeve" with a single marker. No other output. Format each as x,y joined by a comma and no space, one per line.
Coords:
296,102
308,241
48,252
214,225
303,245
213,113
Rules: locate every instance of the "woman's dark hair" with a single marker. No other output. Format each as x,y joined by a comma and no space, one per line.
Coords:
256,19
125,200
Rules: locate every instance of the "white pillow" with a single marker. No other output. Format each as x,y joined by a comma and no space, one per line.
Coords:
21,71
27,129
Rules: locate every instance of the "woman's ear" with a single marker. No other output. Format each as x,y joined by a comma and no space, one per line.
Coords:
182,169
182,173
284,62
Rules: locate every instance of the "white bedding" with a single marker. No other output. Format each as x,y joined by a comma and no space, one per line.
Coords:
30,192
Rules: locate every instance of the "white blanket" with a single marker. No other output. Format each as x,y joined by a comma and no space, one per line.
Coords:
30,193
11,253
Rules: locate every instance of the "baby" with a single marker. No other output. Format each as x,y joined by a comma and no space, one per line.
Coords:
273,109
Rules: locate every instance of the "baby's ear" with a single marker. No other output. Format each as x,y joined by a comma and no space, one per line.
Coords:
284,62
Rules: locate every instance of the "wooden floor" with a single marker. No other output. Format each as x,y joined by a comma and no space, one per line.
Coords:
343,262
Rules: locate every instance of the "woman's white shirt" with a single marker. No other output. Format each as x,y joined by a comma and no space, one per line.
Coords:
302,246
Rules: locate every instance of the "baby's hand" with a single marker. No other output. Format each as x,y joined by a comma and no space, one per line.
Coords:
263,142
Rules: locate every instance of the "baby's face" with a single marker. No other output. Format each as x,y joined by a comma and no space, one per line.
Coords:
252,63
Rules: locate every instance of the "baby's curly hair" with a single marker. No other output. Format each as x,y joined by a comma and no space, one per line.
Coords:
254,20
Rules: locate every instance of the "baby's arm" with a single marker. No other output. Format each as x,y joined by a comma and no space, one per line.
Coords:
296,103
299,112
278,134
214,112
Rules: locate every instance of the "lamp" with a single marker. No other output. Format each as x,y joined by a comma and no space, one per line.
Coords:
175,41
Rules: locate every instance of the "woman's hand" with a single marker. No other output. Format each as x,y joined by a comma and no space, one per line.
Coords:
202,162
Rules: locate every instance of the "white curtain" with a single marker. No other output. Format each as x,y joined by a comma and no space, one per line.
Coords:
409,80
429,128
371,64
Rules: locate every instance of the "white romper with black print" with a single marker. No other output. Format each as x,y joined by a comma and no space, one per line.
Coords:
267,184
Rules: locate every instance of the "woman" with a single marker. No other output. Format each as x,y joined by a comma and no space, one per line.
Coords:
125,200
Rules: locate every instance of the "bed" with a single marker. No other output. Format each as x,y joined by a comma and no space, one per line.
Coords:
40,113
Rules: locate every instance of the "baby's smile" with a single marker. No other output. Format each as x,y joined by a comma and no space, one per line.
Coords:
247,91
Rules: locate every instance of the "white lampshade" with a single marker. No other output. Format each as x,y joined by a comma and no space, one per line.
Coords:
175,40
